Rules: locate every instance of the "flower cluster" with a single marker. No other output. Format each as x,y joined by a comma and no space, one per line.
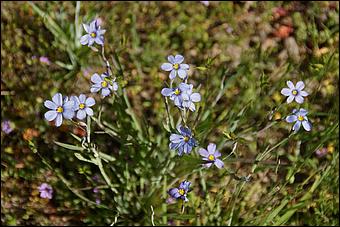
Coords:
182,95
295,92
65,107
80,106
183,141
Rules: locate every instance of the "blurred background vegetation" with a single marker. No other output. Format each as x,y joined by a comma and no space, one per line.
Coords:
241,55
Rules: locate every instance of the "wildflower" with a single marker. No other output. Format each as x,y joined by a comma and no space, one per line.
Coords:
176,67
82,105
294,92
321,152
181,191
97,201
103,83
189,98
183,141
95,190
45,191
6,127
299,117
211,156
94,34
45,60
206,3
176,93
59,108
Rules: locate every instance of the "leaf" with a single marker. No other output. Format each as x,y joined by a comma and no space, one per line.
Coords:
202,68
69,146
81,158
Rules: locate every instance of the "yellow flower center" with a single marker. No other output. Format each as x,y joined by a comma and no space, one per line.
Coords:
211,157
186,139
175,66
104,84
300,118
60,109
177,91
294,92
181,191
93,35
81,106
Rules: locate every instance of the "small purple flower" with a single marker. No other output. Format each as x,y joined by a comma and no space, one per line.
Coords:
94,34
189,98
211,156
59,108
104,83
82,106
294,92
46,191
181,191
97,201
321,152
182,142
176,67
95,190
6,127
45,60
206,3
300,118
176,93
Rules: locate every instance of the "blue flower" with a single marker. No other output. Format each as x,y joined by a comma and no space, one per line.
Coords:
211,156
82,106
182,142
176,67
46,191
176,93
294,92
94,34
189,98
180,192
103,83
59,109
6,126
299,117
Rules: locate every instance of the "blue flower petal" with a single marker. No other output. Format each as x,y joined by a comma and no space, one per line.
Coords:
211,148
84,40
307,125
296,126
167,91
89,111
68,114
81,114
172,74
59,120
58,99
175,138
299,99
51,105
203,152
50,115
179,59
95,78
182,73
291,118
90,101
166,67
